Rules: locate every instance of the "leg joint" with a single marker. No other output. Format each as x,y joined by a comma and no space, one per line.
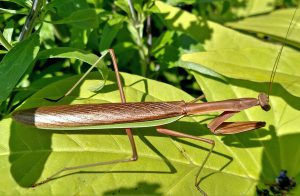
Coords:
134,158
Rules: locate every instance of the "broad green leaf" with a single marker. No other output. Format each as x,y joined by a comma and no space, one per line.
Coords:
212,35
265,152
274,24
223,11
227,47
243,8
84,18
15,63
165,166
253,64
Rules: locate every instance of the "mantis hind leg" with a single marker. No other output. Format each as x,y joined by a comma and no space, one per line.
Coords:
123,100
208,141
134,156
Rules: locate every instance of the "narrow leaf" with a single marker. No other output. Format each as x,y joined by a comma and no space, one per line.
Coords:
15,63
109,34
82,55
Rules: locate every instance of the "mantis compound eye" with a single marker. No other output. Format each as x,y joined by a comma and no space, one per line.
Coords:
264,101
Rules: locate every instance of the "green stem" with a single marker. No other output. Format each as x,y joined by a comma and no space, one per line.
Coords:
133,15
138,28
31,19
4,42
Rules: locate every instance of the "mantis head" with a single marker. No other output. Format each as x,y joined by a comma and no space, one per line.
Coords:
263,100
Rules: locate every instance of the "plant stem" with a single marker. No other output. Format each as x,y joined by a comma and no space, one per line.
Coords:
31,19
139,31
4,42
149,39
133,15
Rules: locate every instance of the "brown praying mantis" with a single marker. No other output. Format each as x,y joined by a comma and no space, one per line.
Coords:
135,115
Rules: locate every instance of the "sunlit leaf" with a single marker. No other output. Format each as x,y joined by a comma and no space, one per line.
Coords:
165,165
253,64
274,24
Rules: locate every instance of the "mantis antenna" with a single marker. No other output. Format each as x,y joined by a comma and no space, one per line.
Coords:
279,54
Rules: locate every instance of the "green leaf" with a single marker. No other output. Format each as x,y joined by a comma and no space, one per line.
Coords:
84,18
23,3
227,10
65,52
109,33
266,151
175,2
72,6
87,57
226,47
254,64
274,24
10,11
251,7
123,5
15,63
212,35
8,31
171,45
165,165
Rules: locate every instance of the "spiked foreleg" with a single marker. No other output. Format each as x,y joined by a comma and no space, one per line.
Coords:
218,126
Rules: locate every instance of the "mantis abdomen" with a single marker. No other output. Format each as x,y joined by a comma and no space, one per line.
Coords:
84,115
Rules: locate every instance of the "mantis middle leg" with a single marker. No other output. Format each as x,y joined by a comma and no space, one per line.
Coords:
134,156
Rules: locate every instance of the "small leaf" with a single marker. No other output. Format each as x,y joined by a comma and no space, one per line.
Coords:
123,5
82,55
65,52
15,63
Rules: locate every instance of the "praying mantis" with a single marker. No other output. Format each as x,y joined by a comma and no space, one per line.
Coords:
128,115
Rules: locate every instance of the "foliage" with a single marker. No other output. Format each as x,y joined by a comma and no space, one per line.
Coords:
186,43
